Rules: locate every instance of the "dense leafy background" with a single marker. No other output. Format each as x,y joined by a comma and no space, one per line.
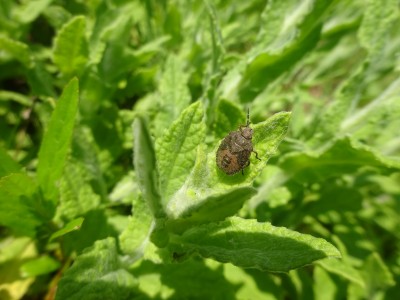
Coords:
82,83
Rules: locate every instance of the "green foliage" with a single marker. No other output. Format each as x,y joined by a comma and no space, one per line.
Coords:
111,114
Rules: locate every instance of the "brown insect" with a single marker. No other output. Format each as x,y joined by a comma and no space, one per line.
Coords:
235,149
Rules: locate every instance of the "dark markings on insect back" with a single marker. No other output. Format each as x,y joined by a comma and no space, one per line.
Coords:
234,152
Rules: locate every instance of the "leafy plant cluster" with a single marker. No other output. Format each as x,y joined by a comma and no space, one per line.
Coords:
111,115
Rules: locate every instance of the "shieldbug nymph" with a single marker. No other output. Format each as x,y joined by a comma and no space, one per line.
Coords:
235,149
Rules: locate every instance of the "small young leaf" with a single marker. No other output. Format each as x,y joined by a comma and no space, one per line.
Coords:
145,166
71,226
249,244
70,50
176,149
56,140
97,274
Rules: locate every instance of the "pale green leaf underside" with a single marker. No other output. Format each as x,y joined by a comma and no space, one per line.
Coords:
133,238
145,166
56,140
249,244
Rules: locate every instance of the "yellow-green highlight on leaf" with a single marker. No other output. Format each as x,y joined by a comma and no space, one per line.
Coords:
56,140
250,244
71,226
39,266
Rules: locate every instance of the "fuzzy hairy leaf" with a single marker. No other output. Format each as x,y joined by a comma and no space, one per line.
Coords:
177,148
144,160
249,244
97,274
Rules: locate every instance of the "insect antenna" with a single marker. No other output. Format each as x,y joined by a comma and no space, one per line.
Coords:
248,117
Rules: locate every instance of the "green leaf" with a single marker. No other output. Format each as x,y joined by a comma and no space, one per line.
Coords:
70,49
11,247
71,226
30,10
97,274
19,98
7,164
378,19
376,274
213,208
173,93
342,269
249,244
342,156
17,50
145,166
135,237
19,209
76,194
56,140
39,266
299,33
176,149
228,117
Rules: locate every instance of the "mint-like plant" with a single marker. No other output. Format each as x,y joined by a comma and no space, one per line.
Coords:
111,114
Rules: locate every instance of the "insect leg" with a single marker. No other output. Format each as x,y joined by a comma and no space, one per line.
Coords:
256,155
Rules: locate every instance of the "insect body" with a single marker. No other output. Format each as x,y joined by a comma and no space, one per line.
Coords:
235,149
